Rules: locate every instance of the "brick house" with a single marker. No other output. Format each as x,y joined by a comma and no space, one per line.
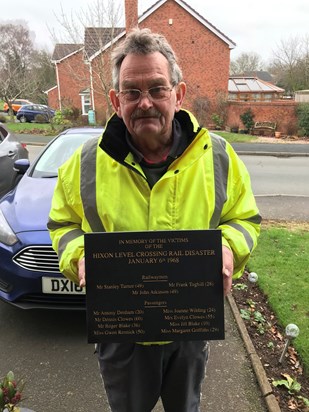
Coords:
83,70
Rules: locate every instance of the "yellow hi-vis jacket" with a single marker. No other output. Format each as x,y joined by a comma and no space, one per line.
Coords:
102,188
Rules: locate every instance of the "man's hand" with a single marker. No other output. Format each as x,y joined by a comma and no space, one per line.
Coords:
227,269
81,273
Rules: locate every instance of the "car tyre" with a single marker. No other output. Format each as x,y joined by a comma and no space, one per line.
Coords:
23,119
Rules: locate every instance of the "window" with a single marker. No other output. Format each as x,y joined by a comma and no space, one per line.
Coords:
86,103
268,97
232,96
3,133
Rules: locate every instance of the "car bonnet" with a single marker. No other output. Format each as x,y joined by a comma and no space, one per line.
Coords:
26,208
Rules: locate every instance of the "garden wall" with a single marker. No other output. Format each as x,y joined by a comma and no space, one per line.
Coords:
282,112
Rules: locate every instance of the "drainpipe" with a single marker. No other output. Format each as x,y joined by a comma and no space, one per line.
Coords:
91,87
58,85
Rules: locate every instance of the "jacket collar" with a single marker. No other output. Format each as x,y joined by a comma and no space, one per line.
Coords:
114,141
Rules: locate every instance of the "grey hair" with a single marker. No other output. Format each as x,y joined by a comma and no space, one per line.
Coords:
143,41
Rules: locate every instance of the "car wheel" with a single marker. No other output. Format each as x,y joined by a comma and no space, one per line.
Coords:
23,119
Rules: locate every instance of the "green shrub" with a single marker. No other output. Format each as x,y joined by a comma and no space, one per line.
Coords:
218,121
59,121
71,113
247,119
3,118
58,118
303,117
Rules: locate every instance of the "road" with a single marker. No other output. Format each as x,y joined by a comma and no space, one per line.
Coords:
280,186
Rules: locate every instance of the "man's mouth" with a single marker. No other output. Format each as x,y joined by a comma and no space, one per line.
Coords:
145,115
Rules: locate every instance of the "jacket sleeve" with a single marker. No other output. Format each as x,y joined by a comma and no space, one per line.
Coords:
240,219
65,219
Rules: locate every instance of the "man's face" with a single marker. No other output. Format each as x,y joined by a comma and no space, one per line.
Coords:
147,119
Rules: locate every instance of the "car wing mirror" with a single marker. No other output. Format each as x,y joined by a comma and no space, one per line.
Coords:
21,166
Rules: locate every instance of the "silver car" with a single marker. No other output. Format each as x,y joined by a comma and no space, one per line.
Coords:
11,149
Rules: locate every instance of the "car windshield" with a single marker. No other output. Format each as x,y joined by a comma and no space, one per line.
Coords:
58,152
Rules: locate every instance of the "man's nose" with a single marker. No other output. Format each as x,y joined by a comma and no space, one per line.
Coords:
145,100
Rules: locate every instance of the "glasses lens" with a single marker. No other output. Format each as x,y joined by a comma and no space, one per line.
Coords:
154,93
159,93
130,95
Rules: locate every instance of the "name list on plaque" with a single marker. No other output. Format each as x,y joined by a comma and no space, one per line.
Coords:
154,286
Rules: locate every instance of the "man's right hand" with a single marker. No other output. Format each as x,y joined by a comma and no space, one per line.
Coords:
81,273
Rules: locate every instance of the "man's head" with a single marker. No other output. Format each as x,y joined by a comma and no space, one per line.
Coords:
142,42
148,87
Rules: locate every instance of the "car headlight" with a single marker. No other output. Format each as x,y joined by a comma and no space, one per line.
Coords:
7,236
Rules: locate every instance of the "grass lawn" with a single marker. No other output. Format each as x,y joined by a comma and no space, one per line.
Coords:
36,128
281,262
33,128
46,129
236,137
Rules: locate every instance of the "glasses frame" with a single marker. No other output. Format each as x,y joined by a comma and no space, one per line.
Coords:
122,94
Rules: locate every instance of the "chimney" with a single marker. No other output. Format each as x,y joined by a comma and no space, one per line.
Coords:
131,14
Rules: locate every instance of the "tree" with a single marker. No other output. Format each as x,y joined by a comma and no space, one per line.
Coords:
94,27
290,64
15,55
246,62
43,75
24,72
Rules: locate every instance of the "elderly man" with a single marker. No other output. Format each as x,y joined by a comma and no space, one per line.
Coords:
154,168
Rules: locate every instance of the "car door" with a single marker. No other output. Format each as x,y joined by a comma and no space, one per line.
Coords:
8,154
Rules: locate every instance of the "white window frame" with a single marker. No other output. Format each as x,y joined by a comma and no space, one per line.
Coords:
86,103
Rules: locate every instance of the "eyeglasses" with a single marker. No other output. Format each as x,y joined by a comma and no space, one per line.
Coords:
155,94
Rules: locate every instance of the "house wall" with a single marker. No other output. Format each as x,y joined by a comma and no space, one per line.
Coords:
203,57
281,112
53,98
74,76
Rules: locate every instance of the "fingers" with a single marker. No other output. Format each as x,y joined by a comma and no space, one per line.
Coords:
227,269
81,273
227,281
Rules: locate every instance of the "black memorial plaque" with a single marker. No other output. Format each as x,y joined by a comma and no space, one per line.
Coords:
154,286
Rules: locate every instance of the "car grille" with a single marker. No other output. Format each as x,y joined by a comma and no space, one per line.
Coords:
61,302
38,259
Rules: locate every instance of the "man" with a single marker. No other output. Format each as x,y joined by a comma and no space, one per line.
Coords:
154,168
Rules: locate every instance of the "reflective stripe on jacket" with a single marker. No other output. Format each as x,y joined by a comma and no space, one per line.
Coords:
101,188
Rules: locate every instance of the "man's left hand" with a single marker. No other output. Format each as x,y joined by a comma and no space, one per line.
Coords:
227,269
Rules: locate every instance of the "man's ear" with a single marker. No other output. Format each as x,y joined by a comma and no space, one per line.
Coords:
115,101
181,89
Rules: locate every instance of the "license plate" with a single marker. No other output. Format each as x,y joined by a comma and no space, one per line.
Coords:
61,286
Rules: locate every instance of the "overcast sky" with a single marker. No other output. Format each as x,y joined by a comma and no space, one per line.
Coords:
254,26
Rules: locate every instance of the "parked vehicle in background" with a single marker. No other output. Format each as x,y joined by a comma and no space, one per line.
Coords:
16,105
29,269
35,113
11,149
